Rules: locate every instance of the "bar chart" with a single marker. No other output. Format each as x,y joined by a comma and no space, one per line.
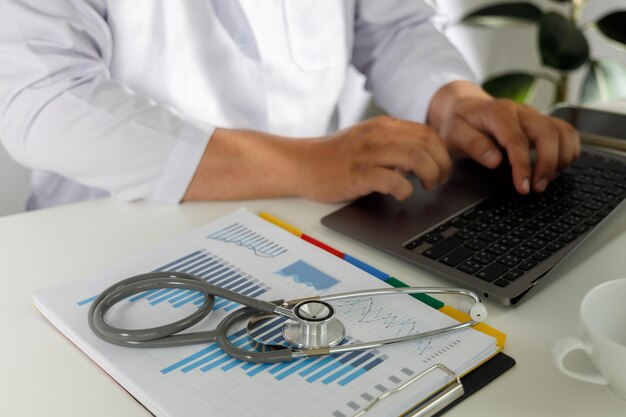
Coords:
341,368
245,237
208,266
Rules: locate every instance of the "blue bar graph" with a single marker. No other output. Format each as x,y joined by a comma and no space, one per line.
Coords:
210,268
338,368
246,238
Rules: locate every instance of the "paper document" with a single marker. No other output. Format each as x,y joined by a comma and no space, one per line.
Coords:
246,254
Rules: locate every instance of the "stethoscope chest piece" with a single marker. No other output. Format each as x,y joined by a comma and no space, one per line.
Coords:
315,326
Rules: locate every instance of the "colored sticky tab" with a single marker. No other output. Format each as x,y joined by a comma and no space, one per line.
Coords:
366,267
322,245
481,327
281,223
425,298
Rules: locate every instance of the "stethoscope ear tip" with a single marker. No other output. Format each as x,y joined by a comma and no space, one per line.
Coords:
478,312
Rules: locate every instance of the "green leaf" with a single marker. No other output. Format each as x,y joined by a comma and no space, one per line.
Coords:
613,26
516,86
500,15
562,44
605,80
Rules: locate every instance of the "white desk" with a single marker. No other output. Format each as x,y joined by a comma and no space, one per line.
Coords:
44,374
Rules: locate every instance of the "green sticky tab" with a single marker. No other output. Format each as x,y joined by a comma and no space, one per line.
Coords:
424,298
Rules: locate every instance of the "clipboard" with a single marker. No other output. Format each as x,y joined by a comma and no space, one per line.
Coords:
456,388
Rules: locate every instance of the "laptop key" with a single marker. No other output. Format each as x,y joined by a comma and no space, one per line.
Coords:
443,247
465,234
434,238
484,257
459,222
491,272
476,244
510,241
581,228
568,237
522,252
457,256
542,255
501,282
527,265
555,246
509,260
414,244
513,274
498,249
469,267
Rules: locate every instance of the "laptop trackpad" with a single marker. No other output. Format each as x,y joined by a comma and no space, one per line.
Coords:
382,221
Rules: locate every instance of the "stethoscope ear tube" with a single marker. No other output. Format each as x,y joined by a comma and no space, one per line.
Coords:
150,337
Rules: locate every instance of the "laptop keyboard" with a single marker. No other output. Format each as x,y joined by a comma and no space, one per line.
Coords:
506,236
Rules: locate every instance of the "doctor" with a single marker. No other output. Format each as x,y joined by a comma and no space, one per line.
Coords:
224,99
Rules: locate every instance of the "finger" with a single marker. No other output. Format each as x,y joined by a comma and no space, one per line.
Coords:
417,138
504,125
546,139
436,148
467,140
410,158
386,181
411,147
569,140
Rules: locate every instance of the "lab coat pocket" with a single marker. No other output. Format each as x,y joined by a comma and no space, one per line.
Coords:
317,31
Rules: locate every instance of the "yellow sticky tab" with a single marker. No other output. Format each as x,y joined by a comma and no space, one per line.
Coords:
481,327
280,223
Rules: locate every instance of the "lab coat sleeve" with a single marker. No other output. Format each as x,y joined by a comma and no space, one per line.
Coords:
61,111
403,56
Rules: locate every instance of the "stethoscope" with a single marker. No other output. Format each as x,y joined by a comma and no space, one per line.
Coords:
310,328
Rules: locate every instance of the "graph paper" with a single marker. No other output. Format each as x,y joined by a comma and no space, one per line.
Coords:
245,254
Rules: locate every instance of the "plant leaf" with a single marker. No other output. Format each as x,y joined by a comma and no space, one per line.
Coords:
500,15
562,44
613,26
516,86
605,80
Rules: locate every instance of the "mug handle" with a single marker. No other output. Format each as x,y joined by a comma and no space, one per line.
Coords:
569,344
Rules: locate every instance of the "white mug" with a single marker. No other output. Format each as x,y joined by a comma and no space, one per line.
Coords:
603,317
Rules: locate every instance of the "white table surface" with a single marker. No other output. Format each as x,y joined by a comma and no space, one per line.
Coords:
42,373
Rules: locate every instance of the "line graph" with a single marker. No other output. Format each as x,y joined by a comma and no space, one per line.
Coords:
370,313
364,310
243,236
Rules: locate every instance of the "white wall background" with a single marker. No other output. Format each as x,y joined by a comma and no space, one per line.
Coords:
488,52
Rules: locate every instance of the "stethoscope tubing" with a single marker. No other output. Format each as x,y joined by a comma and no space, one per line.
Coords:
169,334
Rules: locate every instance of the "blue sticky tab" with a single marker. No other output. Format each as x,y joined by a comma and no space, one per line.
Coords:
365,267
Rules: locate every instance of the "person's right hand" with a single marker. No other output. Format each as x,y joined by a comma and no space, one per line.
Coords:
372,156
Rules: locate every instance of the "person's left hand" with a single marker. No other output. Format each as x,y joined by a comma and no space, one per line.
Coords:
481,127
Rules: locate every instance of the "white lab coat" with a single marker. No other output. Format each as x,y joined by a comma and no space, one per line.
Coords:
120,97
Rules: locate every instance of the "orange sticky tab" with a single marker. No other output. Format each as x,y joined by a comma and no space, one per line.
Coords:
481,327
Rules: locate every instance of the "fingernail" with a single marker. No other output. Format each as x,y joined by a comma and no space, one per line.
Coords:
541,185
526,186
491,158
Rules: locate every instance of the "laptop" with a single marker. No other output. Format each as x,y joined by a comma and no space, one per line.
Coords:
477,232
